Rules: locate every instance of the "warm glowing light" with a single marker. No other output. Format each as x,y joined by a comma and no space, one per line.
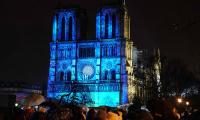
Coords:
179,100
36,107
16,104
187,103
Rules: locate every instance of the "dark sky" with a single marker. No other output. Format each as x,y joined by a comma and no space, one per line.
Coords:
25,30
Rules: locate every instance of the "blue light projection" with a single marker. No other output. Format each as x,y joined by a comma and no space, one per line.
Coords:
57,25
100,22
98,26
87,72
54,33
99,72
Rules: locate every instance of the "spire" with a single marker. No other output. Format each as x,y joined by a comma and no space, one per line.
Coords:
124,2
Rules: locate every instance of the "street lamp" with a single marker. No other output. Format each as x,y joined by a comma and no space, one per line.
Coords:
187,103
179,100
16,104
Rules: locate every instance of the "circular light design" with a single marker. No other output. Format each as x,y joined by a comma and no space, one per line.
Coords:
87,72
108,65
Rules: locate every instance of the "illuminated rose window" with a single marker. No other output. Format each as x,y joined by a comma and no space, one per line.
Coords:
87,72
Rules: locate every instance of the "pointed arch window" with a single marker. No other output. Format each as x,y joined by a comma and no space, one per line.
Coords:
106,26
112,51
106,51
63,29
106,75
61,76
113,75
113,26
70,29
69,76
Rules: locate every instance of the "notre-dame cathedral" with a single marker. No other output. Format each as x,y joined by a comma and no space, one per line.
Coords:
101,67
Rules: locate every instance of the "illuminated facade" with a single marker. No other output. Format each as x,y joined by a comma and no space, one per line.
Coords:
103,66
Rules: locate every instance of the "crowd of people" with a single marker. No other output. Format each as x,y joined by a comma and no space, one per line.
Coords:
155,110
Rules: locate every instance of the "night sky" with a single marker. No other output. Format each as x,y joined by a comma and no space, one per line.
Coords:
25,30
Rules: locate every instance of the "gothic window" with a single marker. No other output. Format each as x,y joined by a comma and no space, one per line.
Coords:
86,52
106,51
59,54
93,52
80,52
113,26
61,76
103,51
66,53
109,51
63,29
89,52
69,54
68,76
106,75
62,54
70,29
114,50
113,75
106,26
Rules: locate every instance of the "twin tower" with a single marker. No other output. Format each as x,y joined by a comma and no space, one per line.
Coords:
95,71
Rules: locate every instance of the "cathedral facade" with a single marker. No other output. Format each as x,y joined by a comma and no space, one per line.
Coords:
99,69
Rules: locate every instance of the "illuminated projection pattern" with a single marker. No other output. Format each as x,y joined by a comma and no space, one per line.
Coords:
96,67
87,72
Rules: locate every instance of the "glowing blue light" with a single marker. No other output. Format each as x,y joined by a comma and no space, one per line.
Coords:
100,23
96,73
106,98
110,26
88,70
66,15
54,29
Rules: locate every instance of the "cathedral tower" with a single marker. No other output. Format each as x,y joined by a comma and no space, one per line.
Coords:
99,69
